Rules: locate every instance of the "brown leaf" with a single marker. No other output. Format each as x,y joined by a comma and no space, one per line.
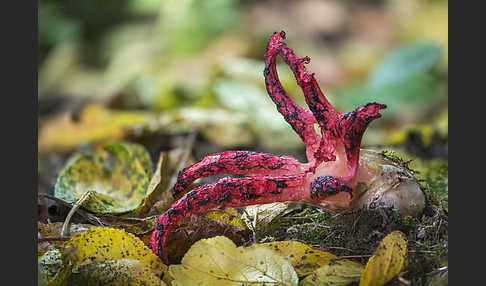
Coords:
197,227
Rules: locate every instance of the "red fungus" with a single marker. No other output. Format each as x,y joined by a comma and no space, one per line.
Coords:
328,176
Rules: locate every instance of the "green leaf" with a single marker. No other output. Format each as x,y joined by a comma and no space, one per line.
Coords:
118,174
405,62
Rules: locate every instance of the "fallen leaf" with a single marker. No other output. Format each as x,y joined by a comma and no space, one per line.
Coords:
114,272
227,215
217,261
388,260
337,273
49,265
95,124
116,173
140,227
158,184
100,244
196,227
306,259
228,129
264,214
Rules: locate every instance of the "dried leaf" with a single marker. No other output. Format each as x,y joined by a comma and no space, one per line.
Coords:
217,261
197,227
178,158
337,273
264,214
157,185
304,258
388,260
118,174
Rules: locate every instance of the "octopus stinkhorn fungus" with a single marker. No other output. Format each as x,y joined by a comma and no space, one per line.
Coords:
329,178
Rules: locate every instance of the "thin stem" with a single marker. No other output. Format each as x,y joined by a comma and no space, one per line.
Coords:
65,226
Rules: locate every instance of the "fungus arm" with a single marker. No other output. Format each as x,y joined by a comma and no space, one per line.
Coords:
236,163
227,192
301,119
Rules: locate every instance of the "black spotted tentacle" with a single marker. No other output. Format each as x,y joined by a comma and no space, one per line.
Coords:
227,192
302,120
325,186
236,163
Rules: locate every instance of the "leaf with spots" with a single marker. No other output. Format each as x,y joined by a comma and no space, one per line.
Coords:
338,273
306,259
113,273
100,244
217,261
388,260
48,266
117,173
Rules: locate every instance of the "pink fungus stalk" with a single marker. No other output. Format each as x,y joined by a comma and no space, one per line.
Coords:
328,176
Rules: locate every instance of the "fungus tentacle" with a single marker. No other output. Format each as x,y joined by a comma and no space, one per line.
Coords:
302,120
236,163
350,128
335,126
227,192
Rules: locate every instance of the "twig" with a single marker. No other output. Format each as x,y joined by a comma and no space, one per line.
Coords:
83,213
53,238
444,268
353,256
342,248
255,223
65,226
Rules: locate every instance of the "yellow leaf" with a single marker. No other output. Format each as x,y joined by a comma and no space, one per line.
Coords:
101,244
95,124
228,216
114,273
387,261
118,175
217,261
304,258
338,273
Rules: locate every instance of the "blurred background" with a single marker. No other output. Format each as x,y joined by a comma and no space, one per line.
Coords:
155,72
